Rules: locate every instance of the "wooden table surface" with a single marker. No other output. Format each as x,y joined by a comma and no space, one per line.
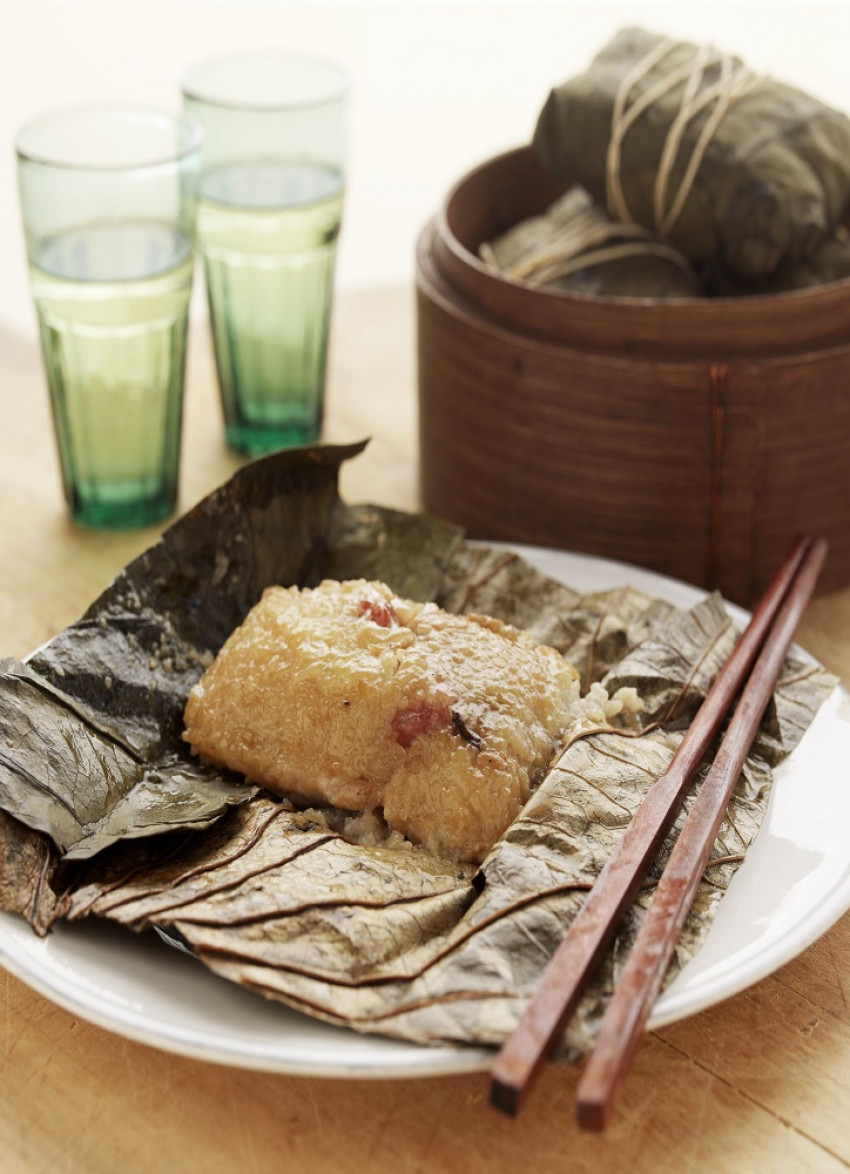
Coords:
758,1083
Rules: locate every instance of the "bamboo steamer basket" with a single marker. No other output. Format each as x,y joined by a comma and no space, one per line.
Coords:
697,438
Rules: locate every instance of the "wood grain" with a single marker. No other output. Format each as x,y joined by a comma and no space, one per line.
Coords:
757,1083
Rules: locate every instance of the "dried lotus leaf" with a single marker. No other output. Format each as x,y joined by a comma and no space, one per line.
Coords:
593,631
371,939
830,262
408,552
774,178
28,868
67,773
464,979
575,246
386,938
92,723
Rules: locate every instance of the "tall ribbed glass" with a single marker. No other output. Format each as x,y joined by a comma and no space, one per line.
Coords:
107,199
269,216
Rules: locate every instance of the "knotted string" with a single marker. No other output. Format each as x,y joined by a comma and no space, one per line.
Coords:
733,82
587,240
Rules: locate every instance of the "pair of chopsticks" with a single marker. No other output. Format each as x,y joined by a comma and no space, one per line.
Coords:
749,674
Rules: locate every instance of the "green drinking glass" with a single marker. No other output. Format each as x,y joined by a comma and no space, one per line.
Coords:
269,214
108,201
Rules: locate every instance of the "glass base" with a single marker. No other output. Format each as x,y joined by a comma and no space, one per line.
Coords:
256,440
121,513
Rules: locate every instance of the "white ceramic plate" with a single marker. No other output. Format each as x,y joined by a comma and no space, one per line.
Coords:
793,885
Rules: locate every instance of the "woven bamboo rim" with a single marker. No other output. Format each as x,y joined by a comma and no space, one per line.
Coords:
504,190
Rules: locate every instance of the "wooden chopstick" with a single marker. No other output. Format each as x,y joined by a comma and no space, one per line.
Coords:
569,970
644,971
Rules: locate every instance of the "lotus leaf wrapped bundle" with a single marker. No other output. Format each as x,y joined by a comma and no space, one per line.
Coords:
575,246
738,171
830,262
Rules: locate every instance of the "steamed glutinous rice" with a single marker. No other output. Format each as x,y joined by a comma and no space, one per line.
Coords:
348,695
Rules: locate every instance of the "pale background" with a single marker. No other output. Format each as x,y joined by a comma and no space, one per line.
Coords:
438,85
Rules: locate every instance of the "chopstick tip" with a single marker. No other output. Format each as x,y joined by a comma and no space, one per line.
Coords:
592,1115
504,1097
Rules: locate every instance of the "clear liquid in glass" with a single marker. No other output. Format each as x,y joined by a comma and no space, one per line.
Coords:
112,303
267,232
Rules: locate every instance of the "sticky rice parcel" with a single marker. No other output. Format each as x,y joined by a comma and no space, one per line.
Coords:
350,696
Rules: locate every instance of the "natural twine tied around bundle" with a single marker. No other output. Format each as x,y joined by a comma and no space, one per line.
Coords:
582,236
578,235
733,82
